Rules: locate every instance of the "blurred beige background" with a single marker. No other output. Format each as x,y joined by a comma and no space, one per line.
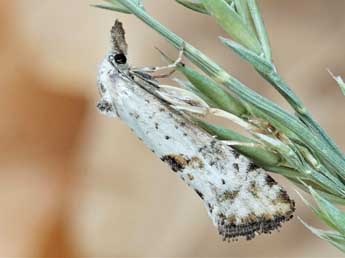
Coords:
74,183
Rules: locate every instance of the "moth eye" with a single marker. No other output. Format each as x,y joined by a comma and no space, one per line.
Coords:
120,58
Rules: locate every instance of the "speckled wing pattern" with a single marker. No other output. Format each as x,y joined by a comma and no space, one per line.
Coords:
241,198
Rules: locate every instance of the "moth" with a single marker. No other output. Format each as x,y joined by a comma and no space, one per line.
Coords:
241,199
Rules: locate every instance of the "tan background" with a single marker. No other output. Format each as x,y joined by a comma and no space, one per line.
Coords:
74,183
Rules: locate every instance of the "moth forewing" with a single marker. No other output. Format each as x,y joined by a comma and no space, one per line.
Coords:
241,199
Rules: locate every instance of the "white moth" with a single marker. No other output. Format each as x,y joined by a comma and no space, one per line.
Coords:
241,199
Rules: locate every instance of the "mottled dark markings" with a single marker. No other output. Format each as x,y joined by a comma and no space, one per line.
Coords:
185,134
176,162
136,116
283,196
210,207
223,181
214,153
156,126
179,162
228,196
252,167
105,106
195,162
101,86
230,229
236,166
270,181
213,143
254,190
201,149
167,137
235,153
190,177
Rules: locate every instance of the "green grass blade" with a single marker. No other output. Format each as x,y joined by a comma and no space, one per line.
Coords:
258,62
193,5
243,11
323,192
267,70
196,5
212,90
233,24
260,29
258,154
333,238
336,218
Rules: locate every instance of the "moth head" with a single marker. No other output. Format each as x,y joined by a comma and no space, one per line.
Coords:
118,56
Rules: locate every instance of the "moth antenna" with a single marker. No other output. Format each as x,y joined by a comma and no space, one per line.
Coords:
118,39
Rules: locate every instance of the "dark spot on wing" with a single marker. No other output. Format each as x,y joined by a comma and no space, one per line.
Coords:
180,162
134,114
236,166
270,181
210,207
228,196
176,162
199,193
190,177
196,162
253,189
105,106
102,88
283,196
252,167
213,143
235,153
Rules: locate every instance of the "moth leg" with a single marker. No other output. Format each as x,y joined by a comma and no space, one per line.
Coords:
153,69
183,100
164,75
